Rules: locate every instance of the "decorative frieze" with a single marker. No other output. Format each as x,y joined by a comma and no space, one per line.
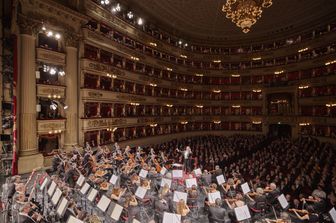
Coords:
50,126
49,56
50,91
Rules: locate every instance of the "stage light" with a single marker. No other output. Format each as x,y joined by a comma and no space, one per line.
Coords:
180,42
50,33
57,36
140,21
52,71
130,15
53,106
44,28
61,73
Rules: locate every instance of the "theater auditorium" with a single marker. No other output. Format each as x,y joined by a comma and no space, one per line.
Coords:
168,111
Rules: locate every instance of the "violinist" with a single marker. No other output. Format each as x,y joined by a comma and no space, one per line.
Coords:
182,208
308,215
28,215
273,194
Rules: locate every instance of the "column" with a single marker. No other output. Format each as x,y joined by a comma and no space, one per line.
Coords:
29,156
71,97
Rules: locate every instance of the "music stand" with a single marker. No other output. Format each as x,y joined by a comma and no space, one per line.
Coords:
166,181
178,195
190,182
245,188
283,201
80,180
116,211
242,213
72,219
332,214
51,189
62,206
114,179
198,172
57,195
92,194
103,203
143,173
177,174
141,192
85,188
44,183
220,179
163,171
212,197
171,218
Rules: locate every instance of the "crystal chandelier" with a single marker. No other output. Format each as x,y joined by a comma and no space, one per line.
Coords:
245,13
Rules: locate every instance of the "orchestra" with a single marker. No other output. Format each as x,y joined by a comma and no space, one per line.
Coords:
136,168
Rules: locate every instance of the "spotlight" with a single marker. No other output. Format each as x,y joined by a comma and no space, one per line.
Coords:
186,44
61,73
52,71
66,107
44,28
180,42
53,106
130,15
46,68
50,33
118,8
140,21
57,36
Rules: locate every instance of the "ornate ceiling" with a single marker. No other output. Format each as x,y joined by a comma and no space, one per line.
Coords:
204,21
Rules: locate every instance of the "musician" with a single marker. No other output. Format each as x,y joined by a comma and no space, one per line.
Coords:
161,205
217,213
306,215
186,154
28,215
206,177
273,194
317,202
182,208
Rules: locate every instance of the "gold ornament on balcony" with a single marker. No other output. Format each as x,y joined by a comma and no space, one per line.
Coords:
245,13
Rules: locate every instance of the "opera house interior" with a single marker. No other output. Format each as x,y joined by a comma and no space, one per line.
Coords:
168,111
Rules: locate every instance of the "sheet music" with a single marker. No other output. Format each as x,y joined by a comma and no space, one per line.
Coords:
103,203
198,172
166,181
114,179
177,173
92,194
213,196
117,210
72,219
135,221
51,188
171,218
283,201
178,195
245,188
242,213
45,181
332,213
57,195
220,179
143,173
191,182
85,188
80,180
141,192
62,206
163,171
